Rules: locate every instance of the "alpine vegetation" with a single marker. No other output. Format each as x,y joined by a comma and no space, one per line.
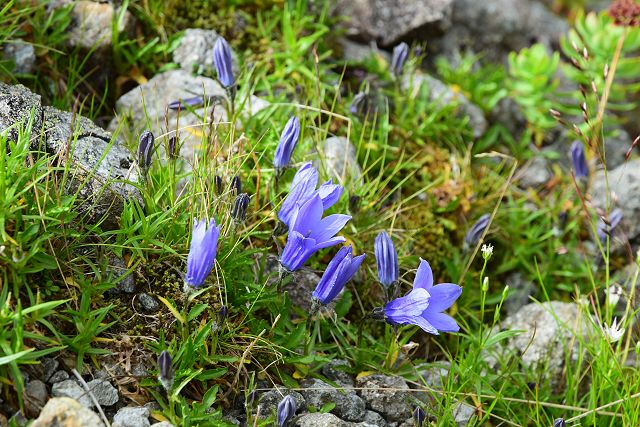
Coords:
339,271
309,233
424,305
288,141
202,252
223,62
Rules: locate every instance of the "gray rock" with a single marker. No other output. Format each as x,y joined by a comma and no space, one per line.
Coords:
99,166
116,268
148,303
162,424
145,107
624,186
17,105
195,51
390,21
59,376
385,395
131,417
616,146
104,392
463,414
497,27
436,375
335,371
36,396
70,388
340,159
64,411
317,419
49,367
520,289
357,52
22,54
372,418
549,329
299,286
535,173
443,96
348,406
268,401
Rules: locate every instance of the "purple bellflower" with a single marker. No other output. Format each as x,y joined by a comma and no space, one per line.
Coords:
475,232
424,305
223,62
579,161
193,102
145,150
604,229
399,57
339,271
288,140
202,252
303,187
286,410
309,233
166,373
386,260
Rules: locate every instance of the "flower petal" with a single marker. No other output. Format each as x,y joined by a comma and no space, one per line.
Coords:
424,276
412,304
329,226
308,216
443,296
403,319
442,322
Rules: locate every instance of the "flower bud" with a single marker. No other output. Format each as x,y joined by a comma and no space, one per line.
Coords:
145,150
286,410
239,211
236,185
166,375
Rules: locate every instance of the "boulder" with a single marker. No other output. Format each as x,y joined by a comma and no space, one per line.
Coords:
66,412
384,394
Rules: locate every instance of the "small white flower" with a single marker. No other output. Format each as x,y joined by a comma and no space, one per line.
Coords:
487,251
614,332
613,293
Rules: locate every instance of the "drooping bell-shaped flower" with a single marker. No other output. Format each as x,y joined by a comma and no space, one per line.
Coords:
424,305
288,140
579,160
339,271
309,232
166,373
240,205
145,150
286,410
476,230
223,62
398,58
202,252
386,260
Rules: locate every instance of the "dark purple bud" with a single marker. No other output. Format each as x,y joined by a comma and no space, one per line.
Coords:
354,203
217,184
399,57
579,161
223,61
239,211
419,416
222,313
192,102
166,374
559,422
174,150
475,232
288,140
361,105
236,185
606,227
145,150
386,260
286,410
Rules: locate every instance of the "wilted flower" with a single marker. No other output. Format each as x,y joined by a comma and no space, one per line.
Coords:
166,374
419,416
424,305
239,211
339,271
236,185
398,58
288,140
386,259
202,252
223,62
579,161
174,150
145,150
605,228
614,332
286,410
559,422
303,187
309,232
613,293
475,232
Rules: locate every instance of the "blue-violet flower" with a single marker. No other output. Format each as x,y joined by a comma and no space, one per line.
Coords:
604,229
424,305
145,150
399,57
288,140
339,271
475,232
579,161
286,410
202,252
386,259
223,62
